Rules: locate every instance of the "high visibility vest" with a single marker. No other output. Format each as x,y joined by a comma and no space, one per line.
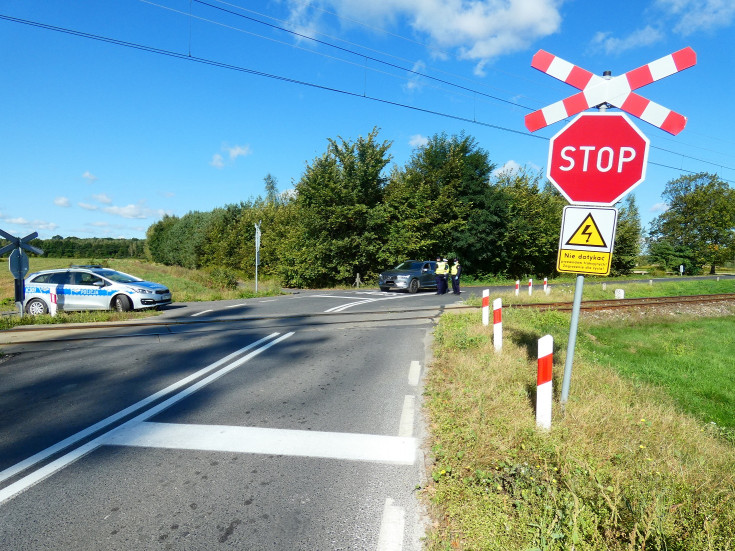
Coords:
454,269
441,268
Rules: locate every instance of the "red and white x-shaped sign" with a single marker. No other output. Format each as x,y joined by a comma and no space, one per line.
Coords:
617,91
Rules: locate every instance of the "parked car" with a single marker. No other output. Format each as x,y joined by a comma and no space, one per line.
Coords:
91,288
410,276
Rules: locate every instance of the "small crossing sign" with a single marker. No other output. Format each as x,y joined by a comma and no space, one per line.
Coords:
587,239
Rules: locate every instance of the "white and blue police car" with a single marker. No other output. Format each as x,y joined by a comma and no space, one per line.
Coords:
91,288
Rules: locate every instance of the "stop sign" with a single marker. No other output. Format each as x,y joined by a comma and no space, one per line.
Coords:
597,158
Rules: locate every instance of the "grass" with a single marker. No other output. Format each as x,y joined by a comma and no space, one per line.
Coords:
633,463
594,290
186,286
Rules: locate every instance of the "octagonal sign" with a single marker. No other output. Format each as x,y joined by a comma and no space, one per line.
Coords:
597,158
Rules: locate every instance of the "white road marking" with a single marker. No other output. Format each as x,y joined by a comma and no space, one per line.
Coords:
304,443
232,306
414,373
269,300
200,313
405,426
26,482
391,527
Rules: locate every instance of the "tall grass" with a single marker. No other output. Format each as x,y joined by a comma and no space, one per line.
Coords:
628,465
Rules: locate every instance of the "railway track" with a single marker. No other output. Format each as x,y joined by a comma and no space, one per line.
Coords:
629,302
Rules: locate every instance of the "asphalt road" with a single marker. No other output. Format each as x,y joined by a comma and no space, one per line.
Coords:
284,423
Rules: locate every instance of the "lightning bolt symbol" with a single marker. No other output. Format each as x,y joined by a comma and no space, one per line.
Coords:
586,231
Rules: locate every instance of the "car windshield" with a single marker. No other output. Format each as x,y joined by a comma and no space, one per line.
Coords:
409,266
117,277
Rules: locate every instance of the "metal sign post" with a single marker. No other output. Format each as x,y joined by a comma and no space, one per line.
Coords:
257,252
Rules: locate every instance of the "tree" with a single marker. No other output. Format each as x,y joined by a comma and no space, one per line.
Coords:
701,214
627,238
529,241
339,227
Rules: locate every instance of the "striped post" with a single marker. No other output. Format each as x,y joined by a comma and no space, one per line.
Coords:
518,286
546,284
498,324
53,301
486,307
530,287
543,382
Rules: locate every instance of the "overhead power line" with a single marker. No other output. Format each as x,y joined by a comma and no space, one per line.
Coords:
219,64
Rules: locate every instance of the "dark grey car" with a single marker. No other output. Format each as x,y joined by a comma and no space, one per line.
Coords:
410,276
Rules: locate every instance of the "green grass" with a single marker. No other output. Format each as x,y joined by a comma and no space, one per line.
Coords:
692,362
593,290
185,285
632,463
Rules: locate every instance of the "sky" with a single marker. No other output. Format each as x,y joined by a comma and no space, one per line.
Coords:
114,113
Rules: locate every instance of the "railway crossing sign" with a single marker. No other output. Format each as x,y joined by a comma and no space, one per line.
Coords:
587,239
617,91
597,158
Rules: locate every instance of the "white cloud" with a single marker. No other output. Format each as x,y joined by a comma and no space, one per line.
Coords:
476,30
659,207
231,153
698,15
417,140
34,225
91,178
641,37
217,161
87,206
508,168
102,198
62,202
138,211
415,82
239,151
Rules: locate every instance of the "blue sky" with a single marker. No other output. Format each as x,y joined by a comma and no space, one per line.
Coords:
100,139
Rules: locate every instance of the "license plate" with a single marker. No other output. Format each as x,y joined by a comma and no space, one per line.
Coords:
166,296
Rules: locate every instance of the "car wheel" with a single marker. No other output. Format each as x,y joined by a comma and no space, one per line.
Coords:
384,289
413,286
121,303
36,307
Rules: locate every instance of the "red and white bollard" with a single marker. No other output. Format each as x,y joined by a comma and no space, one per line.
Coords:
53,300
543,382
530,287
546,284
518,286
486,307
498,324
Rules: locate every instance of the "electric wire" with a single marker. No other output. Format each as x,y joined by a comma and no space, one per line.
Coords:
219,64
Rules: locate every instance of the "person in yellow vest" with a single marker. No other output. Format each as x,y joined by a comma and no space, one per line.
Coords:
441,275
454,272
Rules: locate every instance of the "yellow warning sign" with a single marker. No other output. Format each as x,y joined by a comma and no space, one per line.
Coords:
587,234
583,262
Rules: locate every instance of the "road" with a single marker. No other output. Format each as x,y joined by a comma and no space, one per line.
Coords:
291,422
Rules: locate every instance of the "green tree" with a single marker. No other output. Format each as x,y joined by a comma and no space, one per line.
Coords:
529,241
701,214
627,238
339,223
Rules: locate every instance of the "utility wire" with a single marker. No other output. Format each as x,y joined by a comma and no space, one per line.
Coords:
281,78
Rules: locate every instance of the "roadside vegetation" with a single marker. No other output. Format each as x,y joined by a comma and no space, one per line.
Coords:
186,285
642,458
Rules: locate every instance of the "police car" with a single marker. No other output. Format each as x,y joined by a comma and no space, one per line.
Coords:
91,288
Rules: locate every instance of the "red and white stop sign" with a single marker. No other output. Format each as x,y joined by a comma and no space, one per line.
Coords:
597,158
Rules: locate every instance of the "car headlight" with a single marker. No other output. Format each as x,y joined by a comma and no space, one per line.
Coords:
142,291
